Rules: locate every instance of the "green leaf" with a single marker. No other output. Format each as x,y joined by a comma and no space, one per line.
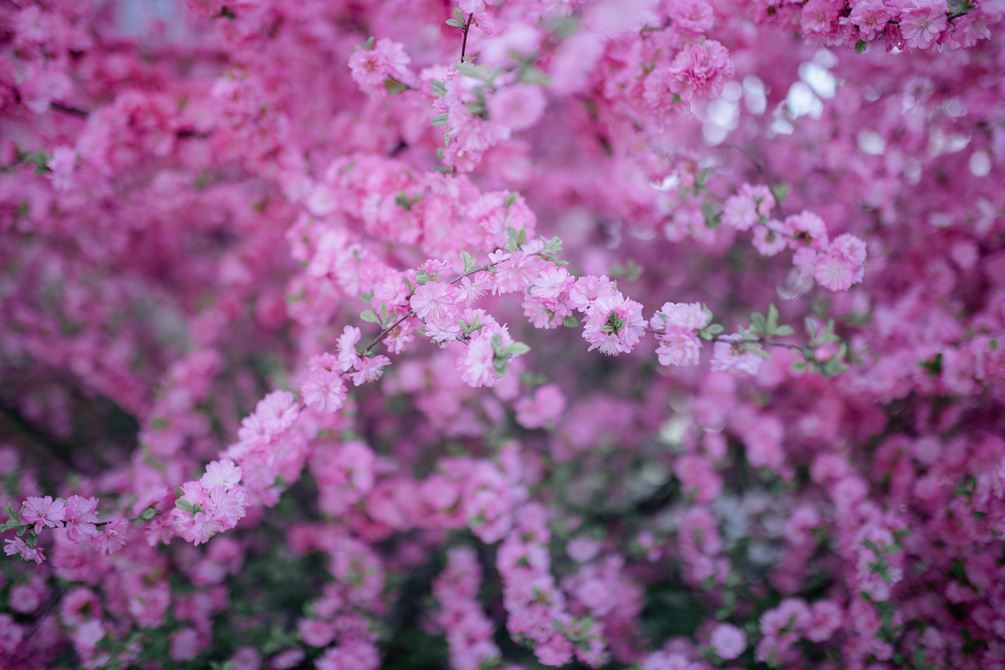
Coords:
469,261
798,366
757,351
758,323
510,199
860,46
552,247
469,70
933,366
515,239
438,87
183,505
570,321
393,86
531,75
39,160
780,191
711,213
440,119
710,331
486,74
401,200
421,277
772,317
458,14
368,45
783,331
369,316
148,514
13,516
516,349
499,364
454,23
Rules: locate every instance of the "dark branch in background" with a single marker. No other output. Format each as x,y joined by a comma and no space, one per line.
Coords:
54,447
464,40
22,651
66,109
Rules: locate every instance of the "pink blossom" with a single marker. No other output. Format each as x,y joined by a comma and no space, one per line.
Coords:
346,347
546,406
729,641
43,513
740,212
477,363
81,515
922,25
614,324
277,411
825,618
682,316
869,16
370,67
517,107
588,289
692,17
221,473
678,347
808,229
767,239
700,70
369,369
434,301
735,358
324,390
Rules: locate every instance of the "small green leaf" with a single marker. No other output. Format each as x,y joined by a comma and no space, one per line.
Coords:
516,349
860,46
393,86
468,260
783,331
532,75
469,70
772,317
570,321
440,119
458,14
421,277
780,191
369,316
438,87
454,23
500,366
148,514
510,199
183,505
368,45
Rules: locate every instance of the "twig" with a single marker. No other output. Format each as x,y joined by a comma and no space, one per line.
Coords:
464,40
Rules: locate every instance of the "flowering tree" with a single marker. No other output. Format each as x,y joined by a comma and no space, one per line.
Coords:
603,333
